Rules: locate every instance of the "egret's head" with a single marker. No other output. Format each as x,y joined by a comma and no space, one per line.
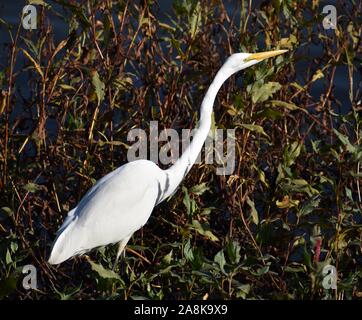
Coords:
240,61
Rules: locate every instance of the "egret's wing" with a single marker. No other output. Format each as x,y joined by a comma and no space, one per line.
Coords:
117,208
67,221
113,209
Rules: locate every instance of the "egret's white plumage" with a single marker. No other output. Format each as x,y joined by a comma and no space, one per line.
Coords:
122,201
116,206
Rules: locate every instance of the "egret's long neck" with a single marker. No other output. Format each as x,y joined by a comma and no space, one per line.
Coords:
182,166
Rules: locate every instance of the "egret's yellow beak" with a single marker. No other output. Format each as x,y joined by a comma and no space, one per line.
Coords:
264,55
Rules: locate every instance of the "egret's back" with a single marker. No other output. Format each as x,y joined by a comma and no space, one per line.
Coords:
112,210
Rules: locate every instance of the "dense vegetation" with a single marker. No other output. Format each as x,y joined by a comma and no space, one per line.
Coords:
293,202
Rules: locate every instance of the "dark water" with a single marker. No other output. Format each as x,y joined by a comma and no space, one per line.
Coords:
10,11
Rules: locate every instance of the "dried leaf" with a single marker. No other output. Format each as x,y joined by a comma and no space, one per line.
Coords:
36,65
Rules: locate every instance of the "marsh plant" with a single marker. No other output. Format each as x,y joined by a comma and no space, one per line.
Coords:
73,88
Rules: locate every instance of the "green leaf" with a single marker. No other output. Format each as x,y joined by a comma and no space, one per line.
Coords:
13,246
233,250
32,187
256,128
31,46
107,30
309,206
203,230
68,294
195,20
104,273
307,257
269,113
298,185
291,153
261,175
286,105
261,92
168,257
99,86
316,145
8,259
37,2
348,193
189,203
199,189
176,44
188,251
295,268
263,270
219,259
243,291
5,213
66,87
345,141
254,212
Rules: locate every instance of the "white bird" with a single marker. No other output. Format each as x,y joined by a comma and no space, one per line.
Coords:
122,201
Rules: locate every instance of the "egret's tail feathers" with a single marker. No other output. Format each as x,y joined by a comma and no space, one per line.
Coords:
63,247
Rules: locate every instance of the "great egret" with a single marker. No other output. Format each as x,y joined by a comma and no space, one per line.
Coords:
122,201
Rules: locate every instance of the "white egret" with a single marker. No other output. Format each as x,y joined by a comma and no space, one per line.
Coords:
122,201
